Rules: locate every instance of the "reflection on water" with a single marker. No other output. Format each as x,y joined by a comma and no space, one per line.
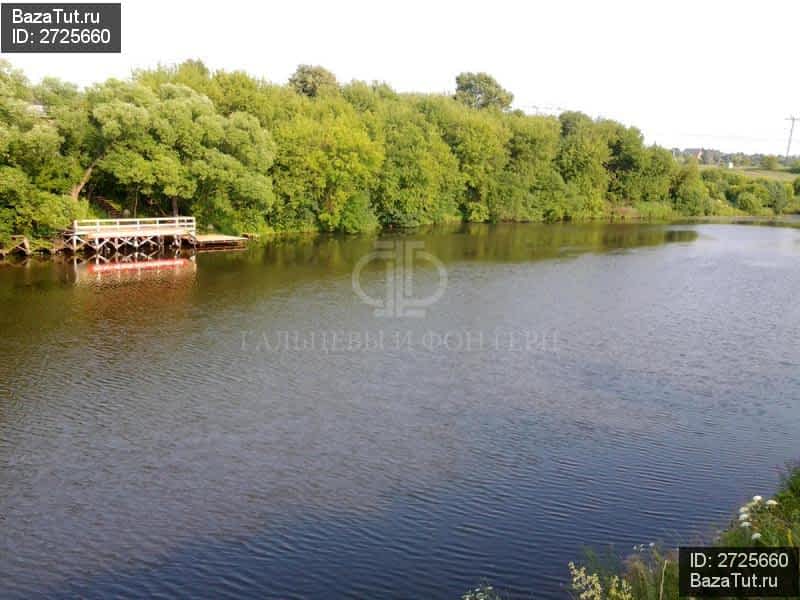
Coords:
145,450
132,268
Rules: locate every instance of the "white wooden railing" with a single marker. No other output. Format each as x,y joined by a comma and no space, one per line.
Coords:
148,226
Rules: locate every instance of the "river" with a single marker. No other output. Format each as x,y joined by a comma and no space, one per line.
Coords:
321,417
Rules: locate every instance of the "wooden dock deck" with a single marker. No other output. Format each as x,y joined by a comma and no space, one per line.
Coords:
213,241
116,234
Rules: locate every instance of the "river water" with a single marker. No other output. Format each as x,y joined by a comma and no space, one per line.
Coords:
245,424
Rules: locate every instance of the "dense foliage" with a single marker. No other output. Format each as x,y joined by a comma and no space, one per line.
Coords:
245,155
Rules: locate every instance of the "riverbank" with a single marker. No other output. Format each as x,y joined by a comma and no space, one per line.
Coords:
652,572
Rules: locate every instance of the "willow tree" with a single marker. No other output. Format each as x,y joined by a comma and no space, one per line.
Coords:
32,167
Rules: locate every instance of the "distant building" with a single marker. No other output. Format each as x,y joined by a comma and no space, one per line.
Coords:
696,153
37,110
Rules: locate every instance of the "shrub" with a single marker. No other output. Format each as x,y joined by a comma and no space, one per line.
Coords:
748,202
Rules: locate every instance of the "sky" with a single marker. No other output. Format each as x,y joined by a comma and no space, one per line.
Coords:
705,73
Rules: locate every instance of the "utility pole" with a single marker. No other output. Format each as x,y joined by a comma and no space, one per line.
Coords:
791,131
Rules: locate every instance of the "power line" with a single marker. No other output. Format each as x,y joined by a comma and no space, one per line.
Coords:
791,131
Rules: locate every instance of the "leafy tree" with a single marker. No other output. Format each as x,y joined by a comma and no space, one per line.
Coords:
689,195
770,162
325,158
778,195
532,189
420,182
749,202
30,144
657,173
479,142
312,80
481,90
582,158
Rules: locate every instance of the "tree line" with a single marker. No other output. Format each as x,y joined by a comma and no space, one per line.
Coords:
248,156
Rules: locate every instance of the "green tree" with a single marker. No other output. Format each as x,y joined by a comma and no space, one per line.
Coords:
311,80
326,160
31,199
481,90
749,203
689,194
770,162
532,189
420,182
582,157
479,142
170,148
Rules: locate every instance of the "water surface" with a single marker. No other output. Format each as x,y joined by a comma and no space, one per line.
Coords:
186,431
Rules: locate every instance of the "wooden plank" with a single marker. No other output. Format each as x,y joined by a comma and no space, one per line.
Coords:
213,240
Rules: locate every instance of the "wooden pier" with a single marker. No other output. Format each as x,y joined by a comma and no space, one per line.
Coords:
19,245
115,235
148,234
215,241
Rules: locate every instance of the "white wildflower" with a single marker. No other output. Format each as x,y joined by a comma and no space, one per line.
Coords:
756,536
744,517
745,524
744,509
586,585
757,499
772,502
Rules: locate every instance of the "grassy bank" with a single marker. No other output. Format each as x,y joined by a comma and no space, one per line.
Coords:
651,573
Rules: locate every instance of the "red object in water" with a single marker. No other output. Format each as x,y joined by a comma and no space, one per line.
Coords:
159,263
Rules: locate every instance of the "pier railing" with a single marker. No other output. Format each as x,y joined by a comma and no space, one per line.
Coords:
134,227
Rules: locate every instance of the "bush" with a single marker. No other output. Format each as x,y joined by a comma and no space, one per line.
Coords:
357,215
749,203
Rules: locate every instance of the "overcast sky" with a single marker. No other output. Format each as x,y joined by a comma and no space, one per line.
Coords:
717,74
